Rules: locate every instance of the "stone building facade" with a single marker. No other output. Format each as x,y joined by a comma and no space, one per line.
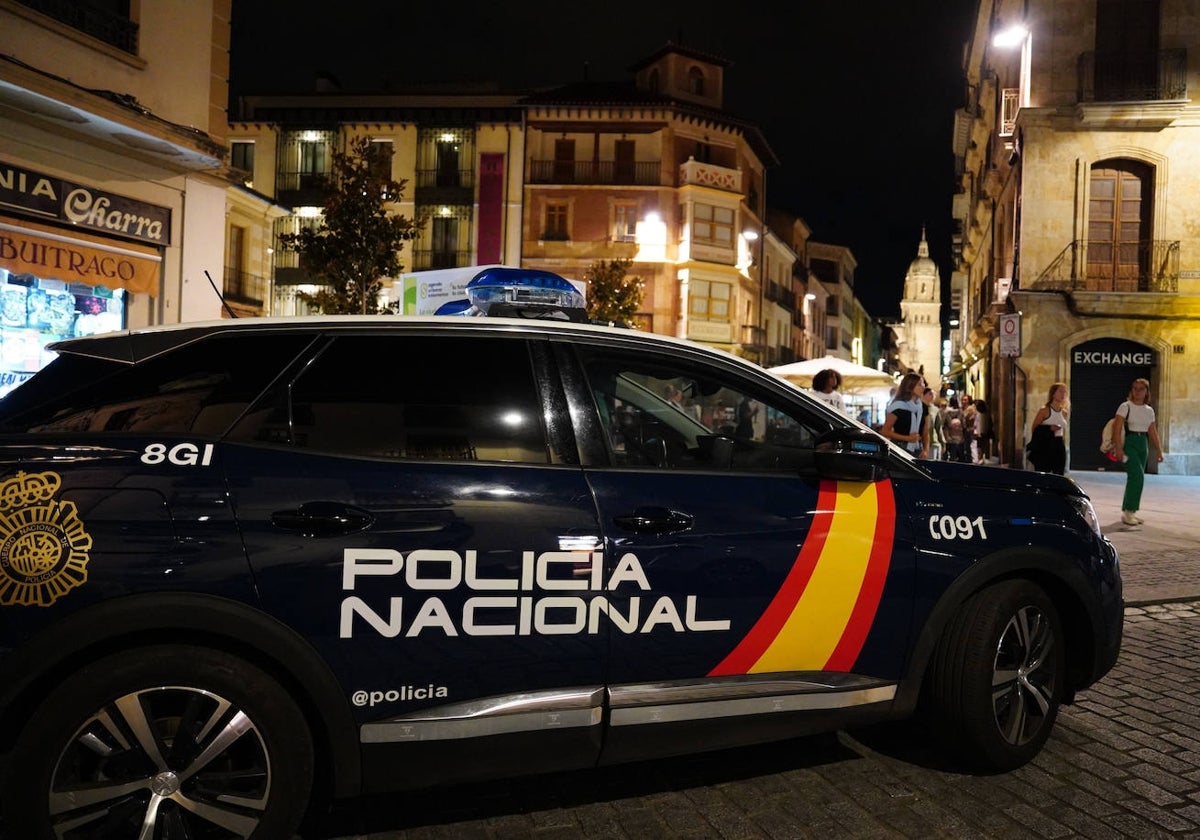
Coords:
113,159
1078,216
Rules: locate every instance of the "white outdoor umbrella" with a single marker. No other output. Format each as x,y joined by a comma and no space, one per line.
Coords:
856,379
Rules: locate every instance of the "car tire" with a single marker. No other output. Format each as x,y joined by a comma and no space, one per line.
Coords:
996,680
191,741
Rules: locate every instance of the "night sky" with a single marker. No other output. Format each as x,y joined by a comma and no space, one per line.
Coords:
856,97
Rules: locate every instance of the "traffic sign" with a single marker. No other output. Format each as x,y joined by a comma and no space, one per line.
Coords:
1010,335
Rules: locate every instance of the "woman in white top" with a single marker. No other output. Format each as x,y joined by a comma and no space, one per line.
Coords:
1134,427
1049,450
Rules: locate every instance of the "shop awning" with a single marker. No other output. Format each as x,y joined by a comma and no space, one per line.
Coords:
72,257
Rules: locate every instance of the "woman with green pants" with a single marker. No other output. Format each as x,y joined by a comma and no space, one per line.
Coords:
1133,429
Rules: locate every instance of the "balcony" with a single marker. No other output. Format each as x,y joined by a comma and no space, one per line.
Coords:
243,287
301,189
777,293
427,259
550,247
1148,265
444,186
1010,103
633,173
113,29
1159,77
699,174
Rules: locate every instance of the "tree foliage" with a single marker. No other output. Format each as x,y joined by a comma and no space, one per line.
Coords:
612,295
358,242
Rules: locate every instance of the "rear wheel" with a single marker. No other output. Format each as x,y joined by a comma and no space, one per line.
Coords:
996,681
162,742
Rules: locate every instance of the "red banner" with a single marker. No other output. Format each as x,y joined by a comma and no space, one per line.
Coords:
491,207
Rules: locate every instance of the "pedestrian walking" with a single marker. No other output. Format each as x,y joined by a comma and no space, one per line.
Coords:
969,413
933,424
981,433
952,429
1133,429
903,420
1047,442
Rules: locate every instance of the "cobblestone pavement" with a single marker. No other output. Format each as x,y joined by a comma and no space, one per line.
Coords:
1124,762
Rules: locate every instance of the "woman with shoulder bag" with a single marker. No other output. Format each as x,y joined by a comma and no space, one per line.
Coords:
1048,450
1133,429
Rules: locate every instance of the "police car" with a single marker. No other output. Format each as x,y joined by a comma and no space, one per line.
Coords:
250,565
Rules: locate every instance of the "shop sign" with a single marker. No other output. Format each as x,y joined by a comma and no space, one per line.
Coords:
93,262
1141,356
36,194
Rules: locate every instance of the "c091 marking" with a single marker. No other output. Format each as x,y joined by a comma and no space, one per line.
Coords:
956,528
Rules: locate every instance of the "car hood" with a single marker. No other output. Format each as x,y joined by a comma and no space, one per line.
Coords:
977,475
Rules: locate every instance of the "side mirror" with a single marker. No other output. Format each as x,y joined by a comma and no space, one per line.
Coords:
851,455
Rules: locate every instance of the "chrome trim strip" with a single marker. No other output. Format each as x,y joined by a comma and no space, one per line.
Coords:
532,711
735,687
746,706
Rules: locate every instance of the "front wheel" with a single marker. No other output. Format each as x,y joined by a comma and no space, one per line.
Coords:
162,742
996,680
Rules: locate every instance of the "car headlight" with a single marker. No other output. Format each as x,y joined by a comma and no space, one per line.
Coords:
1083,506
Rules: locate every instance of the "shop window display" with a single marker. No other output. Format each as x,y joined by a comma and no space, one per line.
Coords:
36,311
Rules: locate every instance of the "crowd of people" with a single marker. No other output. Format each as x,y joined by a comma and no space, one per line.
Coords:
938,428
959,428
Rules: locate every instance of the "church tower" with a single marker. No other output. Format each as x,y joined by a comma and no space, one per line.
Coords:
920,337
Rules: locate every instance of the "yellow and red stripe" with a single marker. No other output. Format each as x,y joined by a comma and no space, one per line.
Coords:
820,617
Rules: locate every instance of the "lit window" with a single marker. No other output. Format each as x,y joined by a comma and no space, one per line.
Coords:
709,300
625,221
713,225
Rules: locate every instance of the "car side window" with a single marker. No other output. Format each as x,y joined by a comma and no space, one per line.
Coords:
460,398
200,388
667,413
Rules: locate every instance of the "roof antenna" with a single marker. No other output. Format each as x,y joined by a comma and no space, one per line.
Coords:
220,296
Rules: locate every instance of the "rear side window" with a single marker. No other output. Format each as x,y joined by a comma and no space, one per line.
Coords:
198,389
412,397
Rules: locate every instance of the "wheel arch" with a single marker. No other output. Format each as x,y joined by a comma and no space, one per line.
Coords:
186,618
1057,574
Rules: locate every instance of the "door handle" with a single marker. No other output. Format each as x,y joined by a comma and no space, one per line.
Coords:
323,519
655,520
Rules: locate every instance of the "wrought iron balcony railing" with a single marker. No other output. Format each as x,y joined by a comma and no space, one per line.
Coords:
445,178
427,258
244,287
1147,265
777,293
1159,76
641,173
117,30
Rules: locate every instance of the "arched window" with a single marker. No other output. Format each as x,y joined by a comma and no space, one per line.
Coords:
696,81
653,81
1119,246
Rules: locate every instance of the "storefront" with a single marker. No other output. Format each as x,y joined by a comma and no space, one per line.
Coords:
70,257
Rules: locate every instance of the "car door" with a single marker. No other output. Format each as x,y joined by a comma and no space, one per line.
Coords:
745,593
413,504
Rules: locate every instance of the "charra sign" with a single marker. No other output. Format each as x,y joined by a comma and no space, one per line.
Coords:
32,193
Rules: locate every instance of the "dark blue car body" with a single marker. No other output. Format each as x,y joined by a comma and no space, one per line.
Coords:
430,536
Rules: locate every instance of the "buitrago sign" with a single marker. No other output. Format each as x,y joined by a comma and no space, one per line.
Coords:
1010,335
33,193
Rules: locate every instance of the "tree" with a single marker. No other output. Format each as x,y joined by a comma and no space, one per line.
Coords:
358,241
611,295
